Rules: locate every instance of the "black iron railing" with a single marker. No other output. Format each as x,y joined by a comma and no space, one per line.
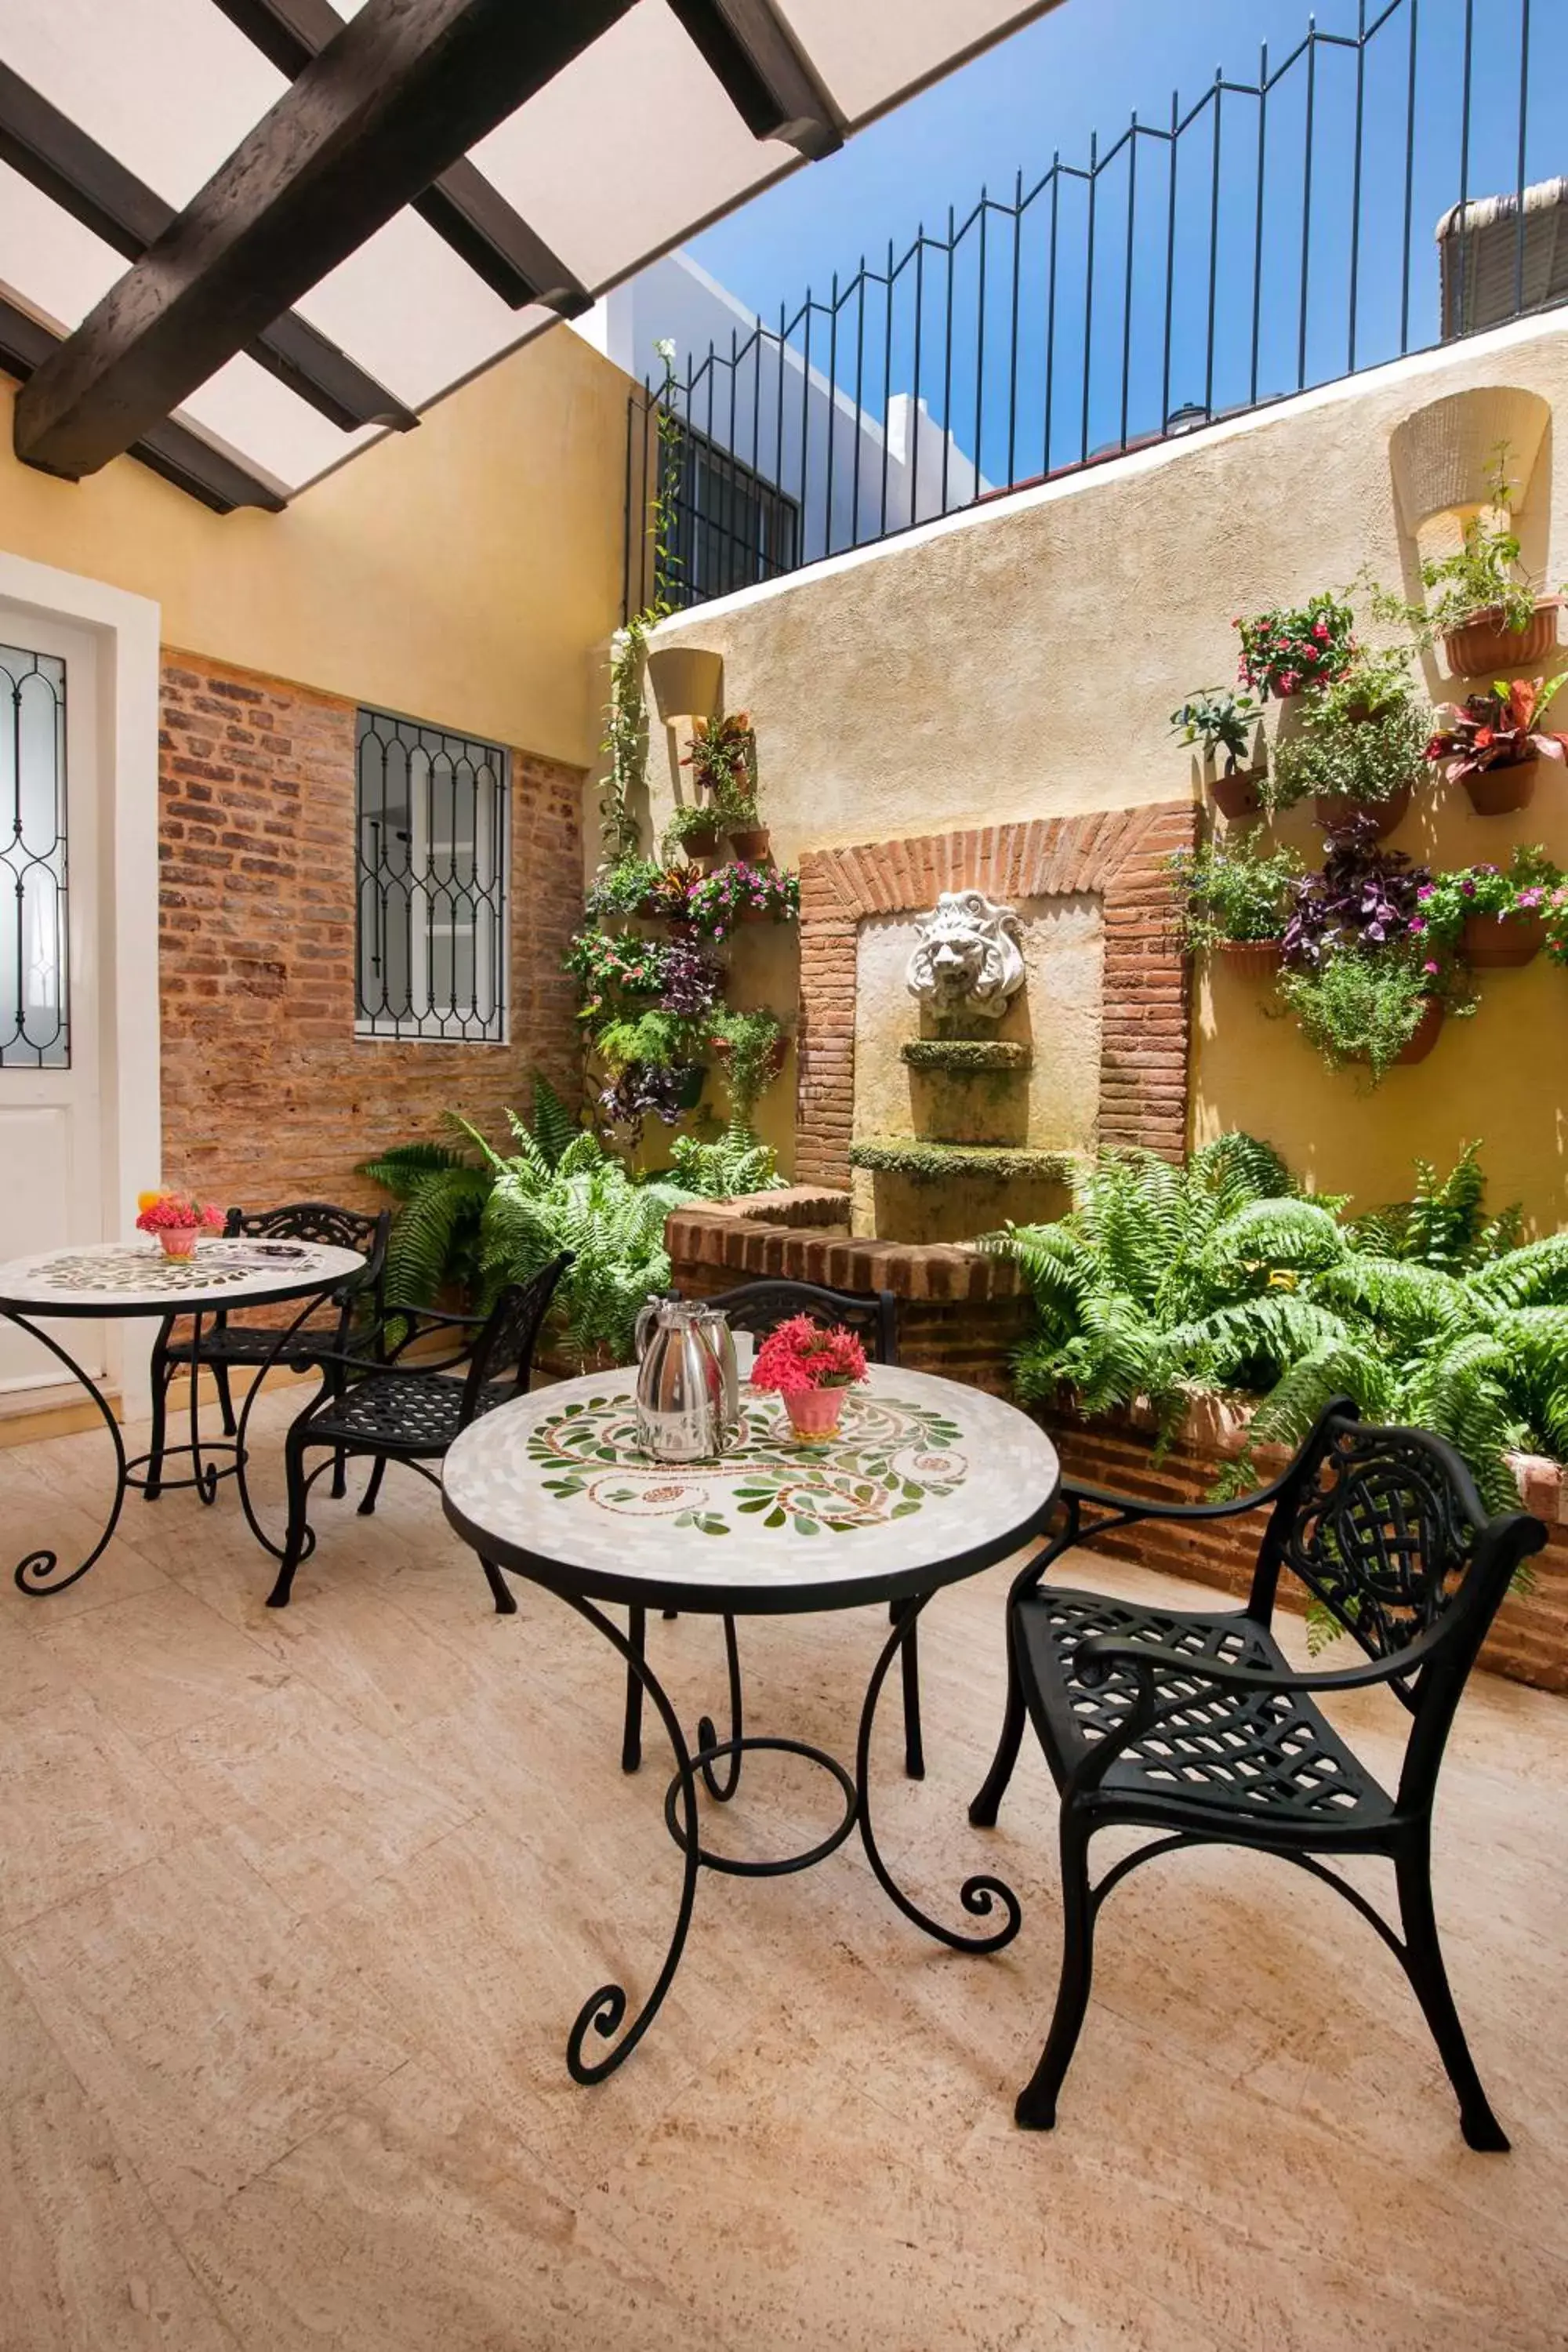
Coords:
1364,197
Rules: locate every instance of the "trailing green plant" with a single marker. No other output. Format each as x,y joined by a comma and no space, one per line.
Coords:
751,1049
1481,580
1166,1282
1231,893
722,757
434,1244
723,1170
584,1199
1215,722
626,743
693,827
1365,1005
666,1041
1290,647
1370,759
639,886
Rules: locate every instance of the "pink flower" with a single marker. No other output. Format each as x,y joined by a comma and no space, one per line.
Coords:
1431,969
1417,924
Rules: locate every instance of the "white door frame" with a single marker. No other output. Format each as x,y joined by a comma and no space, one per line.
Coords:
127,630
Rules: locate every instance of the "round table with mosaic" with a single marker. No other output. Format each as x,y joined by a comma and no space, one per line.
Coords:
111,1281
926,1483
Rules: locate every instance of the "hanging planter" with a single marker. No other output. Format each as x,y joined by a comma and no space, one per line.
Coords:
691,1082
1338,812
1251,960
1501,943
1425,1034
1237,796
1497,791
687,680
1485,646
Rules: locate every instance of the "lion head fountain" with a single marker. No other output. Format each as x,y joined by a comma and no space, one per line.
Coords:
969,958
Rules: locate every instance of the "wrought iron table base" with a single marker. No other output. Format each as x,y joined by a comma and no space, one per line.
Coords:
604,2011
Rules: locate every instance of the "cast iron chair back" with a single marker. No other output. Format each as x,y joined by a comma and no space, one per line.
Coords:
1386,1528
761,1306
331,1228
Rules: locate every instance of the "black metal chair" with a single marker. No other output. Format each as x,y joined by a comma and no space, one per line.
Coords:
223,1346
759,1308
1196,1726
377,1406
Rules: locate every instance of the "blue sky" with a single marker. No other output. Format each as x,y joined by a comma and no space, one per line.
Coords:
1087,67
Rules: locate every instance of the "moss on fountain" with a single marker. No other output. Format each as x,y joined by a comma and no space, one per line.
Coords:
961,1057
930,1163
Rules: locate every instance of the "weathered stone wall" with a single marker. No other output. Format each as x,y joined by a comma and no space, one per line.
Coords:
268,1096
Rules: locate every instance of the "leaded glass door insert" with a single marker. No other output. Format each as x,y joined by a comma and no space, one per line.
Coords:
34,964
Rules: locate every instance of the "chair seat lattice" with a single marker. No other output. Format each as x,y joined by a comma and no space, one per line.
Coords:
1270,1754
416,1413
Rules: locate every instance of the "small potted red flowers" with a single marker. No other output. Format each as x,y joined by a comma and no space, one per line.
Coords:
1285,650
1494,743
177,1220
812,1367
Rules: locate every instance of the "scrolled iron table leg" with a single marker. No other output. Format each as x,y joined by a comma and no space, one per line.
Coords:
241,1452
708,1745
604,2011
35,1575
979,1895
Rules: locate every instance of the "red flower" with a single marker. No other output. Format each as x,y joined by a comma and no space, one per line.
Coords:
801,1355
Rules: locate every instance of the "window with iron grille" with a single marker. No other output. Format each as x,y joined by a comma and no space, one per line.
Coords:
432,857
731,528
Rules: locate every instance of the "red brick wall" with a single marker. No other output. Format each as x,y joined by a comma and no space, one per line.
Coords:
268,1094
1118,854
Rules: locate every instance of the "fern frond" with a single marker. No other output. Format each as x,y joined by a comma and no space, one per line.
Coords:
554,1125
1273,1235
401,1168
1405,1300
1534,1275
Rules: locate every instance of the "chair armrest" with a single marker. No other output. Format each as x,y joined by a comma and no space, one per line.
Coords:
1148,1507
1096,1659
423,1322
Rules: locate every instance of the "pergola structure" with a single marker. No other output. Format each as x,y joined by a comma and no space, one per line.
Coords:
333,213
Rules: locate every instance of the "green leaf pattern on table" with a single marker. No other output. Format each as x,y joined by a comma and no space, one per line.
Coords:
889,1457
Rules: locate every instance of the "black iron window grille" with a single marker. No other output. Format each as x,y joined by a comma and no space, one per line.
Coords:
1373,192
35,988
432,859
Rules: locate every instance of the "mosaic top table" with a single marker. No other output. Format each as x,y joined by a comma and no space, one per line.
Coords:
113,1280
927,1483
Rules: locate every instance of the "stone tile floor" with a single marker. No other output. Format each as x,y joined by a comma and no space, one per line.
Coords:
295,1911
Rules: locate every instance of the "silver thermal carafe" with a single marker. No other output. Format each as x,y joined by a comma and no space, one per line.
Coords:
689,1390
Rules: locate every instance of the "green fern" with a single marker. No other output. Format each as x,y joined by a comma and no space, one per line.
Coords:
433,1243
723,1170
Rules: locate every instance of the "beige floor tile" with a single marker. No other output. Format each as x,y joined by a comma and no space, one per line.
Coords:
86,2263
202,2019
78,1803
161,1662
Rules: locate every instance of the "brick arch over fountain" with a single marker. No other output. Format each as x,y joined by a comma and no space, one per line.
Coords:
1118,854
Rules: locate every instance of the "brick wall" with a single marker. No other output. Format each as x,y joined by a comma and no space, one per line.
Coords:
268,1094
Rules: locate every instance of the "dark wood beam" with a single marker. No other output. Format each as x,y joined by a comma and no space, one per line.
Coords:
461,206
405,88
179,454
768,76
59,158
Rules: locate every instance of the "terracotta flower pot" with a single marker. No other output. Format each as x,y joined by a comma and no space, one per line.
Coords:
179,1241
1499,943
1235,797
700,841
686,679
1483,647
1335,809
814,1412
750,842
1254,960
1496,792
1425,1034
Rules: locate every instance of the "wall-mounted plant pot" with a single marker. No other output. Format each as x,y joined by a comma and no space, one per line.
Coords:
1500,943
1425,1033
1483,647
1497,791
1251,960
1335,811
687,680
1237,796
700,841
692,1082
750,841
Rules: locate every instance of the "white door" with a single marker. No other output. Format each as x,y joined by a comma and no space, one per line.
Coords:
51,1156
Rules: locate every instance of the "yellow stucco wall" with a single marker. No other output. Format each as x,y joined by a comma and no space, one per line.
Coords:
465,573
1023,663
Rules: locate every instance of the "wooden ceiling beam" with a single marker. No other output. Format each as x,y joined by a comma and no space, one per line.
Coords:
85,180
769,79
173,450
462,206
400,93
